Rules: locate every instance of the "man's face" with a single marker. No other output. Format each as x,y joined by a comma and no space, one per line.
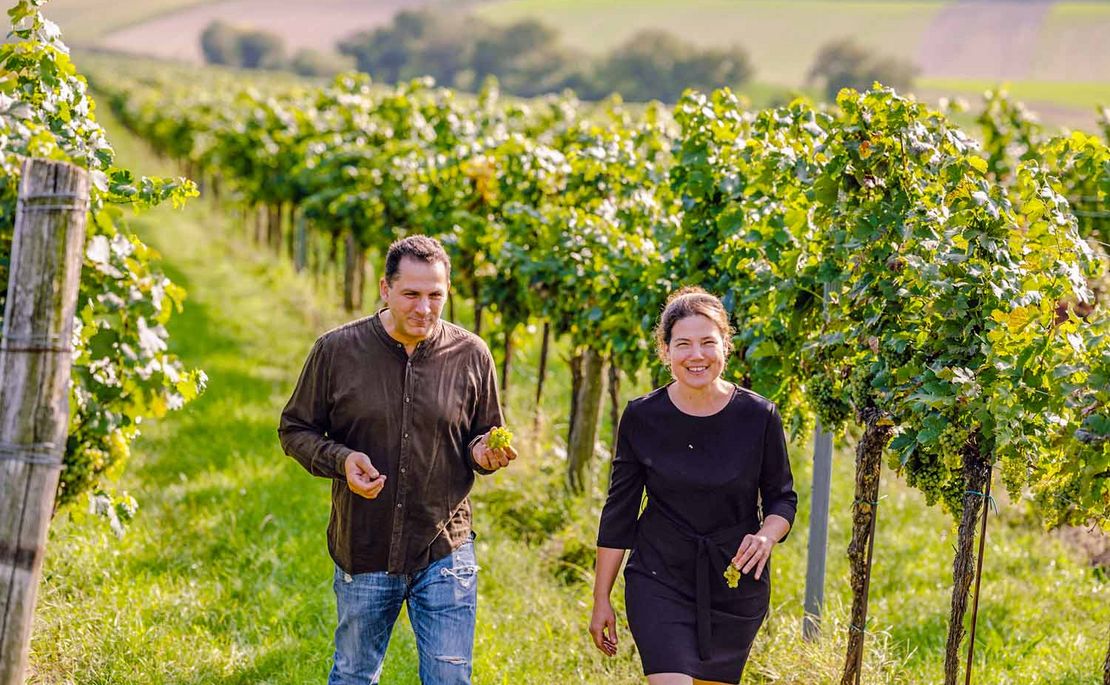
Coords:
415,298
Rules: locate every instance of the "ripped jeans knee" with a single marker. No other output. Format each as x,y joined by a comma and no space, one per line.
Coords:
442,607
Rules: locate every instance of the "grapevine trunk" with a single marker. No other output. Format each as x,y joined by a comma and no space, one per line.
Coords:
976,472
544,347
589,367
869,453
1106,667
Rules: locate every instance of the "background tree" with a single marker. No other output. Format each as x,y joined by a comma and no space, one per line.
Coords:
261,50
846,64
525,57
308,62
657,65
416,43
220,44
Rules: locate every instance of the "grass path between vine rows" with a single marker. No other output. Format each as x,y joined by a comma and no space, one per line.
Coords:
224,576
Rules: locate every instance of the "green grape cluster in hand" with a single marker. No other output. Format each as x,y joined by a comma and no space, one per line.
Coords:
499,438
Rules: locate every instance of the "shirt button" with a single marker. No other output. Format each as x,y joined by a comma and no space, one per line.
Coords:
402,469
398,505
406,435
407,398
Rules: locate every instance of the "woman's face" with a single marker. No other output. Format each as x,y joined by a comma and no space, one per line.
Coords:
696,352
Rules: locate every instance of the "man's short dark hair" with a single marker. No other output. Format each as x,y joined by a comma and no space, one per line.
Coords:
419,247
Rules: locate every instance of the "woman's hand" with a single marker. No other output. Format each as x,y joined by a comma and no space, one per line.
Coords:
603,627
755,550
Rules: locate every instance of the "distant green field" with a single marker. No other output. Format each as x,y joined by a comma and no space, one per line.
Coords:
782,38
84,21
1081,95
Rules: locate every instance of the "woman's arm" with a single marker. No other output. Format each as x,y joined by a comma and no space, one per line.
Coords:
616,533
779,501
603,621
756,548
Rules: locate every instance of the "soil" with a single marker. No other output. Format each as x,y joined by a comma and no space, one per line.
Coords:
1092,544
983,40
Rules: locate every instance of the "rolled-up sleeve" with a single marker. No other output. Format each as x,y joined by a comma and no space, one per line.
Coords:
487,410
776,483
617,529
305,421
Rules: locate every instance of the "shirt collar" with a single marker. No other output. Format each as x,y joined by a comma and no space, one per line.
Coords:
397,347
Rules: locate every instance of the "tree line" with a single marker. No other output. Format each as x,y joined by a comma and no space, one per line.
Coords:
528,59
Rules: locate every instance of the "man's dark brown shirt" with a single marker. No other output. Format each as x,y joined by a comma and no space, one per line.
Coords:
415,416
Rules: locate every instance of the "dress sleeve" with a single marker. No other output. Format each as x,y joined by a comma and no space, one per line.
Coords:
776,483
305,421
626,488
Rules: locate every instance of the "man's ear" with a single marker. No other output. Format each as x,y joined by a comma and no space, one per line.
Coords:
383,288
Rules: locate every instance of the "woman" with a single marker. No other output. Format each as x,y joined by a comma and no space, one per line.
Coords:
713,458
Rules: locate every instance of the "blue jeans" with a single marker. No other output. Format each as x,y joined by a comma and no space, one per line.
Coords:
442,602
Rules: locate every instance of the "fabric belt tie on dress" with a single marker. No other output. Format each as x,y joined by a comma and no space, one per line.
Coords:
704,577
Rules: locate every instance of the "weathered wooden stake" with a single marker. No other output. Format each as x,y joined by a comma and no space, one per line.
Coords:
35,360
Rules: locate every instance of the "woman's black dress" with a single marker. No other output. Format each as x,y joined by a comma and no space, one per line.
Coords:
709,481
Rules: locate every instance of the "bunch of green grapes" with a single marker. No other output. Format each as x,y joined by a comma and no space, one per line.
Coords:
828,399
499,438
930,475
948,446
859,390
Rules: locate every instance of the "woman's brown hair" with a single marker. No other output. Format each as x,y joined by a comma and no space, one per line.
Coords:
691,301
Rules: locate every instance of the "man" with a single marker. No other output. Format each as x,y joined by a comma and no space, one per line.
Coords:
396,409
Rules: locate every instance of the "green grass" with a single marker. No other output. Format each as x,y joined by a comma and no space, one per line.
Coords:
1079,95
224,575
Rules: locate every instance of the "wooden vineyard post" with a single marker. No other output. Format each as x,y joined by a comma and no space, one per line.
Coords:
35,360
818,534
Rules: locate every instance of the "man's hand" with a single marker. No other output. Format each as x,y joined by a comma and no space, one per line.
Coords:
490,459
362,478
